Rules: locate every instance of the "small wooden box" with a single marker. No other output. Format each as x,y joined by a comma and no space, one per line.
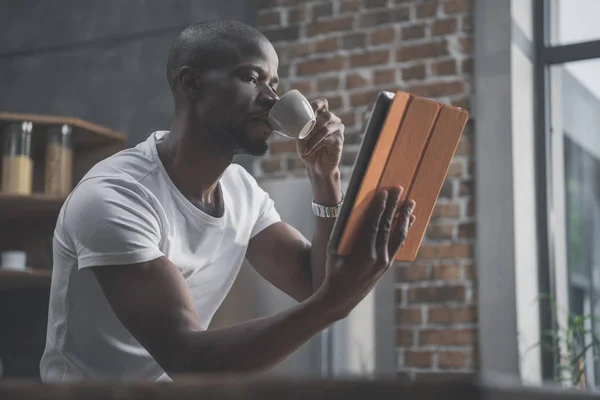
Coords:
413,147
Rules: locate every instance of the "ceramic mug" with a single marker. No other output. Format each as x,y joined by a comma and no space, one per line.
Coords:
292,116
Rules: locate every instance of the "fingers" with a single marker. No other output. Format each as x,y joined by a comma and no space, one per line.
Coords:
320,104
328,135
370,226
326,124
400,231
385,226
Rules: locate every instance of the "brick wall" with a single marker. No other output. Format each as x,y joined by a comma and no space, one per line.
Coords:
347,51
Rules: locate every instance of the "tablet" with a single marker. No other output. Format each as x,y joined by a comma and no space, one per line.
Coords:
409,141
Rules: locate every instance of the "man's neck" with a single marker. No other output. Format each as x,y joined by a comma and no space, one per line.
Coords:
193,166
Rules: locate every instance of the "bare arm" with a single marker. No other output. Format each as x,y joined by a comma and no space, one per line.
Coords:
286,259
153,302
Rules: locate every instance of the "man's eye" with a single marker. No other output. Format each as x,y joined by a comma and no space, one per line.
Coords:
251,79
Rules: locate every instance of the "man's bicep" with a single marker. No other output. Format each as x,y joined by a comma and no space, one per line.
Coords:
281,255
153,302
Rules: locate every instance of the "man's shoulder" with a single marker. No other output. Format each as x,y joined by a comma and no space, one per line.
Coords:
237,178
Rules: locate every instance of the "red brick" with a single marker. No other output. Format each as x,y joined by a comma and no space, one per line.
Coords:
355,80
350,6
469,271
413,73
404,337
465,146
456,170
452,315
412,273
330,25
363,98
375,18
384,77
446,251
400,14
446,272
467,66
283,146
328,84
351,41
413,32
444,26
270,165
298,49
410,52
447,337
437,294
440,231
446,67
322,10
280,34
453,359
297,15
466,230
418,358
335,103
326,45
348,118
374,3
465,45
370,58
466,188
458,6
446,210
319,65
399,296
270,17
467,23
470,208
409,315
383,35
426,10
302,86
437,89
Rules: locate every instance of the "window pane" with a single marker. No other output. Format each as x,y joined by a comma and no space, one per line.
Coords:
576,118
574,21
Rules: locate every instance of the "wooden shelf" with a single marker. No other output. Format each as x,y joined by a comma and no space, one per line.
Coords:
13,279
27,206
93,134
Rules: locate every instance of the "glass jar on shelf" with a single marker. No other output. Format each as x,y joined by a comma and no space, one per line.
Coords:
17,164
59,160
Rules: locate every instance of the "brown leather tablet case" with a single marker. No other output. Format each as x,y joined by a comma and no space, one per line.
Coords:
412,147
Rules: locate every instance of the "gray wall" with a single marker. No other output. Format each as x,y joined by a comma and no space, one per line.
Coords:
103,61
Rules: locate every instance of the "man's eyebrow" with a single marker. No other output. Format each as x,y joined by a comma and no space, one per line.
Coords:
258,69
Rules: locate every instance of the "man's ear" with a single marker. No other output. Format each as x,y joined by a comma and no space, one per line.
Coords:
189,80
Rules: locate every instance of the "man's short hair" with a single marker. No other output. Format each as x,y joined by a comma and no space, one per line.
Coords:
209,44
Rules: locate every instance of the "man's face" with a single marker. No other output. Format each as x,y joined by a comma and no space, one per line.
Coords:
236,99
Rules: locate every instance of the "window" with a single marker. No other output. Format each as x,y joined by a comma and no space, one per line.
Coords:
568,132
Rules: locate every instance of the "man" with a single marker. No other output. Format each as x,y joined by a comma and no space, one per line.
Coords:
150,241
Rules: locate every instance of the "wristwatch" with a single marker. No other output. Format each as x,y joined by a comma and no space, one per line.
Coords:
327,212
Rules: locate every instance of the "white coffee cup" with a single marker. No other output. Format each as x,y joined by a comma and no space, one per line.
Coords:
292,116
14,259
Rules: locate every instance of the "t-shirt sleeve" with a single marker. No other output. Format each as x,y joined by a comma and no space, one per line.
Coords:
112,221
268,214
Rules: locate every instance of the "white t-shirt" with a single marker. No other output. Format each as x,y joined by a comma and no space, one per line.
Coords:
127,210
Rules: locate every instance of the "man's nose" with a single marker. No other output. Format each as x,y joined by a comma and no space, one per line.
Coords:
268,98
